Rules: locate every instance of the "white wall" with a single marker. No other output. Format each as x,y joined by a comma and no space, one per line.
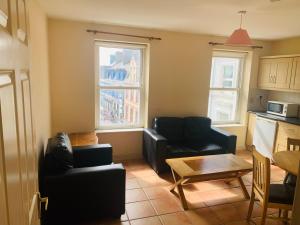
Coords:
39,74
179,76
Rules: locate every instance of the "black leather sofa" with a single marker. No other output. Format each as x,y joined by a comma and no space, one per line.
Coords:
172,137
81,183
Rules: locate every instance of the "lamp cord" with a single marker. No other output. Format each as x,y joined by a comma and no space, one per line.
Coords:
242,13
241,20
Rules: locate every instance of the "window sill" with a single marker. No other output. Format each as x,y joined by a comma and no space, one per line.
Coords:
119,130
229,125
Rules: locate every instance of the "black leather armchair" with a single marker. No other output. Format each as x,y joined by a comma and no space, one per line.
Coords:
173,137
81,183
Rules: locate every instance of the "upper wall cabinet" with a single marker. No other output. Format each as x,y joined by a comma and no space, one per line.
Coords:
279,73
4,13
283,72
21,20
295,81
267,72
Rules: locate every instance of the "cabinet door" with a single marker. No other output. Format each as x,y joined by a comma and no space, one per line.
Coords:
250,129
283,72
295,81
267,69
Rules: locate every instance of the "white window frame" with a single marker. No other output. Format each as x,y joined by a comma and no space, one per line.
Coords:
230,54
98,87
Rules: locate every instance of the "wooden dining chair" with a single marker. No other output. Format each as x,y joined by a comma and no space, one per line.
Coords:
293,144
278,196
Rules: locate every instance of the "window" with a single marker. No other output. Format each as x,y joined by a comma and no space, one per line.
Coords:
119,85
225,87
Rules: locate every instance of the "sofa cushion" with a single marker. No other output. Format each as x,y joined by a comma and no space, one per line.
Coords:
169,127
196,129
177,151
206,148
58,156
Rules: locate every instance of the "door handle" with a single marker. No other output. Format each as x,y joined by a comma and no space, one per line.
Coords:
43,200
40,201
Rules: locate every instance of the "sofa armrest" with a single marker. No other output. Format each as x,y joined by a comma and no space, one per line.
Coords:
84,176
154,135
224,138
154,149
92,155
87,191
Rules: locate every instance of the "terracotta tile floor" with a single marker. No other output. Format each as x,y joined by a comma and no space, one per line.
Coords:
149,202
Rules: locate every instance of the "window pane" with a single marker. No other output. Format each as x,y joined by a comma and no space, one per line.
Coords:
224,73
222,106
119,107
120,66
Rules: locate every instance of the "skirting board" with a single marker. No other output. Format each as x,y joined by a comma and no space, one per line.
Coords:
120,158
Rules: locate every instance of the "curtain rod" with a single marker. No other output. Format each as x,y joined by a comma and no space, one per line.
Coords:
120,34
217,43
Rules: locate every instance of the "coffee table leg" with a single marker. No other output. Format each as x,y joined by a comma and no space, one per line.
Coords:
182,197
244,189
176,180
228,181
177,184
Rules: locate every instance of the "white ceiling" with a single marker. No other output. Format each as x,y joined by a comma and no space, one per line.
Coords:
264,20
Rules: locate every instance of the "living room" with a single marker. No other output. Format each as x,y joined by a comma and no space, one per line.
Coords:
177,44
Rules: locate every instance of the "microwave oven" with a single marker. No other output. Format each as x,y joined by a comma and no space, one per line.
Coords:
284,109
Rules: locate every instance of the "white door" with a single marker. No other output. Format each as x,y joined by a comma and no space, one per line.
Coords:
19,200
11,185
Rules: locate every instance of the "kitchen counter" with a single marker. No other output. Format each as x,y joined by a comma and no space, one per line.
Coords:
295,121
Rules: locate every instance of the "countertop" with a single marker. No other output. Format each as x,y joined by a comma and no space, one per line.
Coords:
295,121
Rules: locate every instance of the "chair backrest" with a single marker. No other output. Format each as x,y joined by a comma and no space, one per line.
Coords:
293,144
261,174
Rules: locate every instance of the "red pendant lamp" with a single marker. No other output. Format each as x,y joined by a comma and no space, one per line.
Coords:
240,36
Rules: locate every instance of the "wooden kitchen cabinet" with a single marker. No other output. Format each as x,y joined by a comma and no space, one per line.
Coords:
267,67
250,129
295,81
280,73
284,131
283,72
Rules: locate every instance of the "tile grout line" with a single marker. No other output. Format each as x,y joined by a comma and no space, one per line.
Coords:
205,205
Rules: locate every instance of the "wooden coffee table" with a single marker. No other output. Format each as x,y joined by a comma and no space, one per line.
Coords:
205,168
